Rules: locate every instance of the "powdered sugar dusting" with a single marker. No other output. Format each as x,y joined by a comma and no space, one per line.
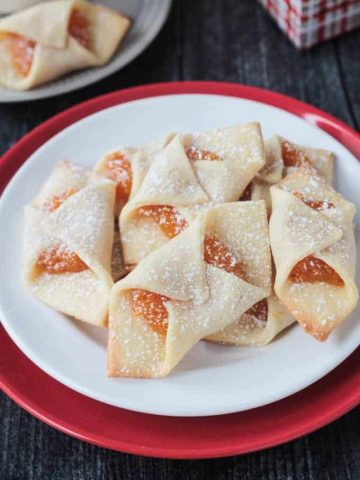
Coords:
93,221
158,181
229,143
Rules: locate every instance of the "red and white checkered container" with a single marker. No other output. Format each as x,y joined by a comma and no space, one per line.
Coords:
308,22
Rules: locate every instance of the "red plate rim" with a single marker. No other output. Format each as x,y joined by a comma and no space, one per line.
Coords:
174,437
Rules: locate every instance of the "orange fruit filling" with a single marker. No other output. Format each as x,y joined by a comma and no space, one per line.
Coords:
58,259
167,217
292,157
315,204
151,306
54,202
22,51
79,28
217,254
119,170
194,153
312,269
259,310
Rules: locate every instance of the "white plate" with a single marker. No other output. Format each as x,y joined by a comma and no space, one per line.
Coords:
212,379
148,16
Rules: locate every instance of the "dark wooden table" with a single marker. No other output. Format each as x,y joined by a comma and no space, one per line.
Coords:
230,40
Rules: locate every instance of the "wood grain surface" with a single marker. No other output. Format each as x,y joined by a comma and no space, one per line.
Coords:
229,40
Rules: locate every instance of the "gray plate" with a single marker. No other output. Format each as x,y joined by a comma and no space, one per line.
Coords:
148,16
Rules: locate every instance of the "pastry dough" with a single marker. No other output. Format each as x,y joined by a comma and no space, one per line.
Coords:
191,170
258,326
282,158
312,239
226,159
127,166
53,38
68,242
202,290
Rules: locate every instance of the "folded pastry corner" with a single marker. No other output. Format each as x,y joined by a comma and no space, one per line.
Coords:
191,287
283,158
127,167
258,326
68,241
211,167
312,240
225,160
50,39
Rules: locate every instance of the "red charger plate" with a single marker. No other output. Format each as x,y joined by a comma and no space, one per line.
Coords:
174,437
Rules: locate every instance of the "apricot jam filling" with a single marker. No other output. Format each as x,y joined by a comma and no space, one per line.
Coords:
118,169
59,259
314,204
151,306
79,28
217,254
292,157
259,311
21,50
194,153
312,270
53,203
167,217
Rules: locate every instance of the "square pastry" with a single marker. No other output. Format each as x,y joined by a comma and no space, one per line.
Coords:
313,244
194,285
68,242
50,39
